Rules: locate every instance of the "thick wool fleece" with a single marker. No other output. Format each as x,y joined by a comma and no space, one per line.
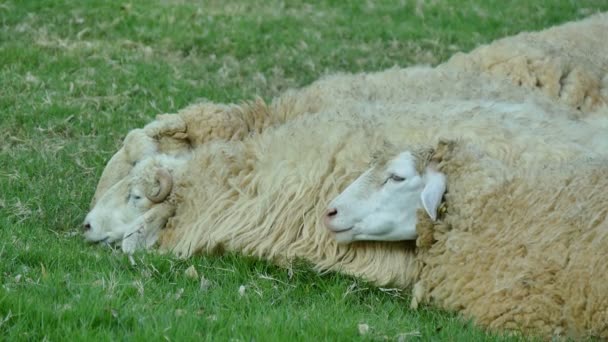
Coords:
569,62
268,202
265,195
525,250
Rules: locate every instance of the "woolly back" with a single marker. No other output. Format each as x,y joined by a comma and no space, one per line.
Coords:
265,196
525,249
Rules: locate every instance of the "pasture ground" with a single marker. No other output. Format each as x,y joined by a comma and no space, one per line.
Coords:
76,76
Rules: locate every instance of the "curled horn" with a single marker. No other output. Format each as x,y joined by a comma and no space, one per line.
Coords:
165,181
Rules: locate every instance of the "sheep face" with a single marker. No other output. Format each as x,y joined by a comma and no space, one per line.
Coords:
381,204
121,209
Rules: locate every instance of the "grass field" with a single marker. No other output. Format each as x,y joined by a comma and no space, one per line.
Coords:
76,78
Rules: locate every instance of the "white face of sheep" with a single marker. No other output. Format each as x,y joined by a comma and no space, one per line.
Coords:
120,211
381,204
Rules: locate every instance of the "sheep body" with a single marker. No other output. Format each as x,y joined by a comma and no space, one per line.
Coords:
526,246
265,196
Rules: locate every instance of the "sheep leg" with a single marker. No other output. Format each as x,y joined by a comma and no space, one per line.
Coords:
133,239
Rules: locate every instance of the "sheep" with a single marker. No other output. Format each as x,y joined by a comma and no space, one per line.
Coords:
266,195
569,62
514,248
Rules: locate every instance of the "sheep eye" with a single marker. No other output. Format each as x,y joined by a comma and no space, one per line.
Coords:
133,197
396,178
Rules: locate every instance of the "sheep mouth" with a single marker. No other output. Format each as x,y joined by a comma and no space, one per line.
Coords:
342,230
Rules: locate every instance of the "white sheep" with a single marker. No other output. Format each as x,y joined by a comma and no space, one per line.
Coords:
381,204
133,210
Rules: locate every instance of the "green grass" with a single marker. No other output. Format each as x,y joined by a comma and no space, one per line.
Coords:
76,78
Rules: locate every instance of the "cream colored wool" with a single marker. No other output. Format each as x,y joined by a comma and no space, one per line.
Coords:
569,63
525,250
265,195
237,206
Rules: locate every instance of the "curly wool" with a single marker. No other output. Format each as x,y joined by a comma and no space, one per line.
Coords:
265,196
525,249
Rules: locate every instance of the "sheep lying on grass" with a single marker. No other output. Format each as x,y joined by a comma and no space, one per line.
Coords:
266,195
519,249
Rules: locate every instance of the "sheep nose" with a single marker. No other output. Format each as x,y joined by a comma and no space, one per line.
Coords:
331,213
86,226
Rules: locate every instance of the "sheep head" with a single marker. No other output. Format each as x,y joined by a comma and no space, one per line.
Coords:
121,209
167,134
381,204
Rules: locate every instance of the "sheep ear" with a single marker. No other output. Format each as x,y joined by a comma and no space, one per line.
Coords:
434,188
